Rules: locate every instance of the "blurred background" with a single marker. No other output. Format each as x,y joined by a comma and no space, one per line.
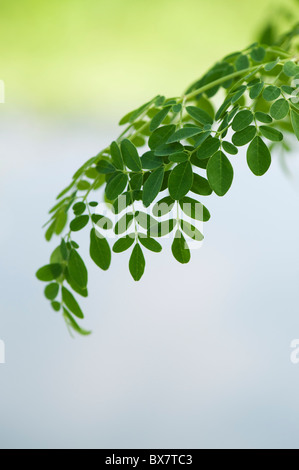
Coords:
194,356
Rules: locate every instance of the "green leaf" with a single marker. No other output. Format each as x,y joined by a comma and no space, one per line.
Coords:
77,269
184,133
295,122
150,161
116,186
256,90
160,136
258,156
130,155
124,243
271,93
136,181
83,185
199,115
244,137
99,250
200,185
51,291
160,229
258,54
229,148
220,173
180,180
290,69
56,306
152,186
241,120
271,65
159,118
178,157
137,263
168,149
105,167
242,62
201,138
191,231
124,223
163,207
79,222
73,324
279,109
116,156
263,117
194,209
180,249
208,148
71,303
149,243
81,291
237,95
79,208
271,133
49,272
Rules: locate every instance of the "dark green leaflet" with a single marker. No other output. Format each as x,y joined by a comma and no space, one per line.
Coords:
116,186
77,269
184,133
180,248
271,93
79,208
200,185
137,263
71,303
241,120
150,243
220,173
51,291
271,134
150,161
258,156
208,148
263,117
130,155
116,156
159,118
229,148
105,167
79,222
49,272
199,115
194,209
279,109
124,243
99,250
152,186
180,180
160,136
244,137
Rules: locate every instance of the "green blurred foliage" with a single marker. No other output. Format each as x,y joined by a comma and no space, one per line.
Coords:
104,56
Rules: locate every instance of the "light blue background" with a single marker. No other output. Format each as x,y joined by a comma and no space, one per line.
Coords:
194,356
